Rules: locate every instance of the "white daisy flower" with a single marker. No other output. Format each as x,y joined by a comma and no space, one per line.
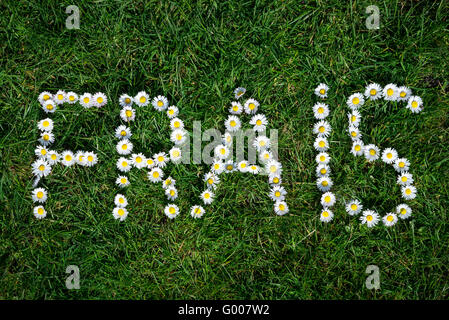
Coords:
90,159
39,195
221,152
354,118
39,212
371,152
321,144
41,152
217,166
72,97
326,215
171,211
355,101
259,122
227,139
80,159
122,181
401,165
390,219
239,92
321,90
324,183
123,132
253,169
68,158
124,147
207,196
322,170
120,201
155,175
280,208
390,92
261,143
46,138
99,99
120,213
251,106
357,148
236,108
370,218
150,163
243,166
160,103
45,125
229,166
273,168
373,91
127,114
405,179
197,212
277,193
44,96
414,104
172,112
389,155
161,159
176,124
178,137
404,93
138,160
52,157
354,133
86,100
211,180
354,207
233,124
175,155
60,97
274,180
328,199
403,211
41,168
322,128
265,156
171,193
125,100
49,106
320,111
141,99
169,182
322,158
123,164
408,192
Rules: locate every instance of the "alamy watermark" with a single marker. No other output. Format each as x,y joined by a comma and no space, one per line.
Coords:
73,280
372,22
373,280
73,20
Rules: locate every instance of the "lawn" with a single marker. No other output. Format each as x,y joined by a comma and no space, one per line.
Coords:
196,53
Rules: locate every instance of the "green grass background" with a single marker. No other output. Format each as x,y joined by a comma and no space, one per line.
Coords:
196,53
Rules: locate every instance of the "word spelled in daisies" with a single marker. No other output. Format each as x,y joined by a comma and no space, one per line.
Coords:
371,152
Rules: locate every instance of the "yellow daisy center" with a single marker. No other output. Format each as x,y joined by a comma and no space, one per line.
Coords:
46,123
160,103
373,92
197,211
53,157
356,100
251,106
160,159
401,164
322,144
233,123
372,152
322,158
150,162
175,153
259,122
273,168
124,164
403,94
243,165
49,107
222,150
121,212
123,133
408,191
323,171
176,124
390,218
123,180
276,180
121,200
324,183
357,147
325,214
71,98
414,104
321,129
60,97
353,207
68,157
262,143
171,112
46,137
353,118
235,108
179,137
172,193
403,211
124,146
389,155
127,100
43,152
322,91
277,194
207,196
40,211
390,92
229,167
129,113
99,99
210,181
320,110
404,179
369,218
353,133
46,97
41,167
216,166
40,195
327,199
172,210
142,99
281,207
138,159
86,100
156,174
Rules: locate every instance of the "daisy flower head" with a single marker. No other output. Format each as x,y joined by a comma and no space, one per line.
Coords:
322,128
277,193
44,96
171,193
389,155
239,92
390,219
49,106
357,148
328,199
41,168
243,166
405,179
233,124
217,166
39,195
275,180
227,139
52,157
124,147
80,159
155,175
230,166
172,112
176,124
353,207
371,152
370,218
414,104
265,156
259,122
127,114
280,208
120,201
99,99
373,91
222,152
251,106
404,93
120,213
324,183
72,97
179,136
141,99
161,159
253,169
39,212
261,143
354,118
171,211
390,92
321,144
46,138
355,101
322,158
326,215
123,132
322,170
60,97
122,181
68,158
45,124
169,182
401,165
211,180
408,192
123,164
321,90
197,211
41,151
86,100
150,163
207,196
138,160
175,155
236,108
125,100
403,211
320,111
354,133
160,103
273,168
90,159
